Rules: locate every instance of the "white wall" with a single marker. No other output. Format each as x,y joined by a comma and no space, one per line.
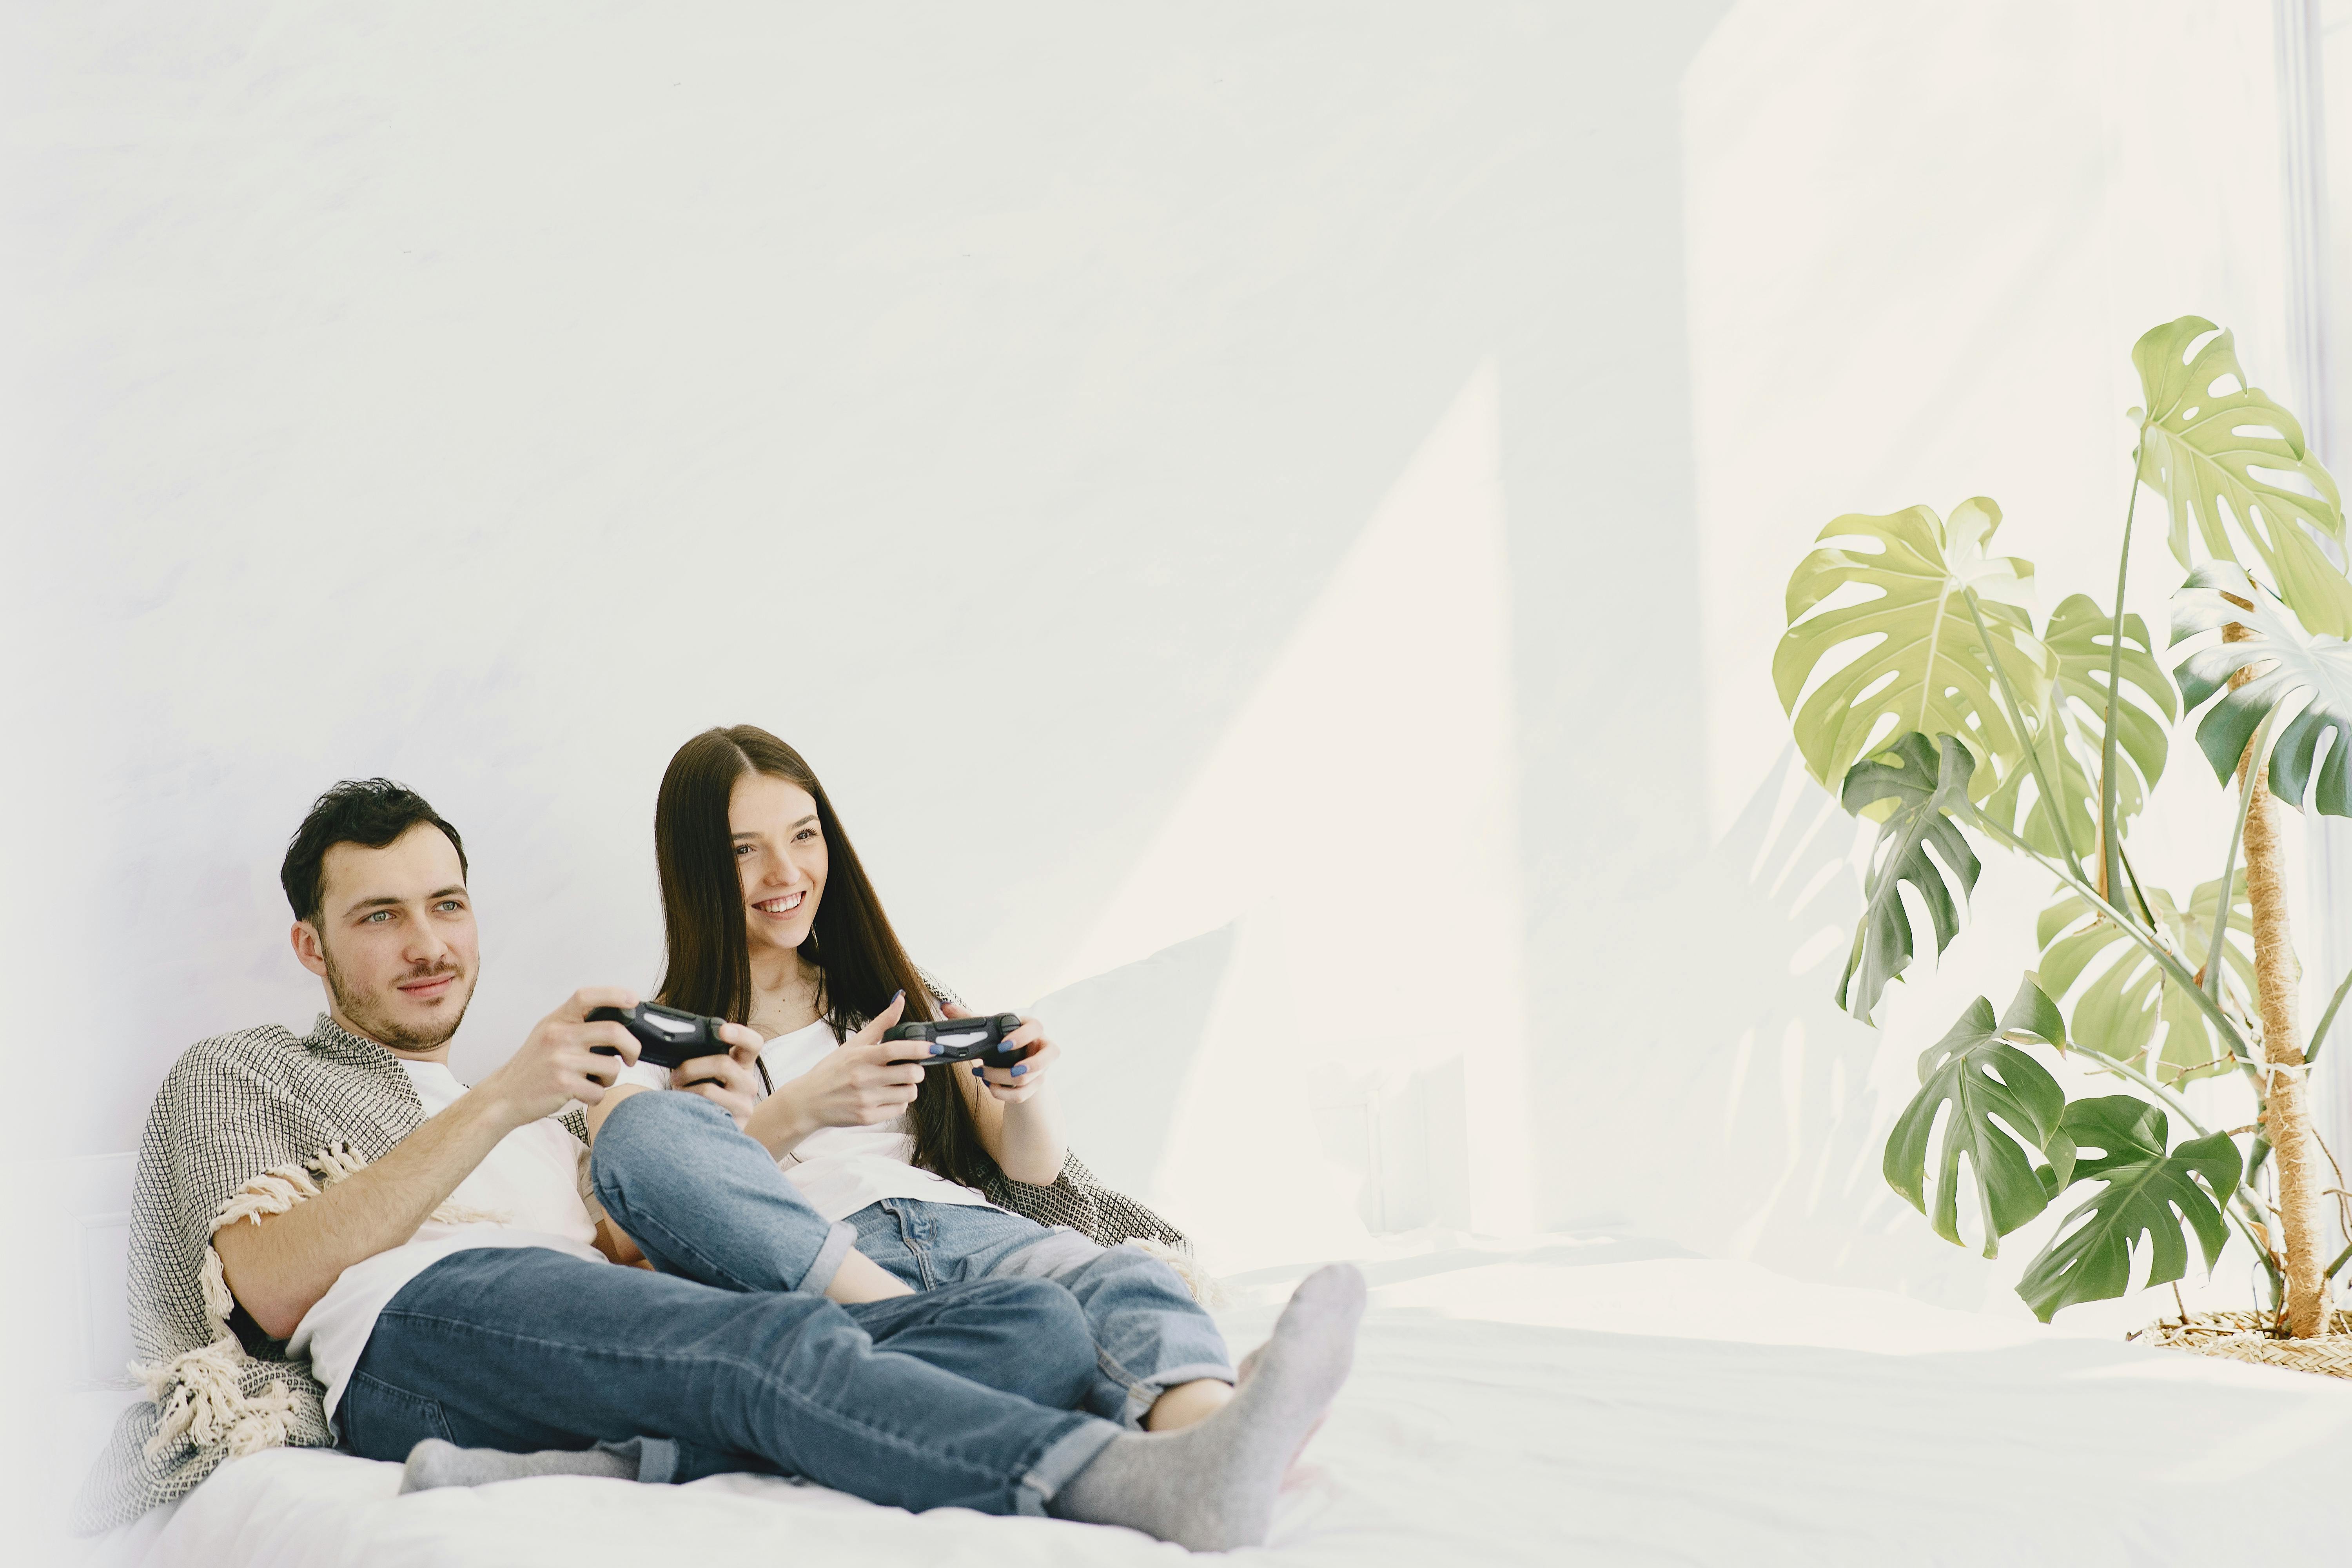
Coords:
983,398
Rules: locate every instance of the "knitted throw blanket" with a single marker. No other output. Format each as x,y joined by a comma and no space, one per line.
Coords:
246,1125
252,1123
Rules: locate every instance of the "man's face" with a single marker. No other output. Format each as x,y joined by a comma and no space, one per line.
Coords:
394,940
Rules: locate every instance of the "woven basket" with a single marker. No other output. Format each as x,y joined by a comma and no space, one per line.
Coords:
2248,1336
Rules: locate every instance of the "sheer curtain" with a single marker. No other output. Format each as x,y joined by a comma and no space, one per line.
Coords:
2314,57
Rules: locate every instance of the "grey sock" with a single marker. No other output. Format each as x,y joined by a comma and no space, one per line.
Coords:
1211,1487
434,1463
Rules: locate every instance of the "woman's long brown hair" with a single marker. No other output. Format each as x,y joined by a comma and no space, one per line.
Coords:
708,967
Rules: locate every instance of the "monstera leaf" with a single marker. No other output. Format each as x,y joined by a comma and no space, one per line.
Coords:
2144,1192
1924,788
1998,1093
2201,450
2125,997
2072,726
2305,680
1922,666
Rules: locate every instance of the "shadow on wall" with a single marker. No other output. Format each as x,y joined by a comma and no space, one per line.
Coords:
1131,1037
1755,1133
1781,1102
1394,1138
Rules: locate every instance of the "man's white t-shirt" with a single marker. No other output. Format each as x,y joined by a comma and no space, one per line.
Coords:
525,1193
839,1170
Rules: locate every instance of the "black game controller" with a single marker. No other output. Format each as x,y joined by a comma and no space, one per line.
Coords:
964,1041
666,1036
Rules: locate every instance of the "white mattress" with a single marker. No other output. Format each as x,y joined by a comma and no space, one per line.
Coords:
1568,1400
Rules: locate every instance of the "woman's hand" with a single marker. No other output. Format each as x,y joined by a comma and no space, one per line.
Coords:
1011,1086
729,1081
1017,1125
857,1084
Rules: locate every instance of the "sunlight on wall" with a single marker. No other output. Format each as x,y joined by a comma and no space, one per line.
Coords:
1356,824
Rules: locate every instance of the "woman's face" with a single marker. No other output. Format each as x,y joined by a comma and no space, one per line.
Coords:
779,856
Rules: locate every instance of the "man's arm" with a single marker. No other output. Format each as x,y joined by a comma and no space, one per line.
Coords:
280,1265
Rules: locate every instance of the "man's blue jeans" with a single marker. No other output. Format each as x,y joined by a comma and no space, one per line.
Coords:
525,1348
1148,1334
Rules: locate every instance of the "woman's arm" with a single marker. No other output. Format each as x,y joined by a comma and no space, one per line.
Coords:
1018,1122
857,1084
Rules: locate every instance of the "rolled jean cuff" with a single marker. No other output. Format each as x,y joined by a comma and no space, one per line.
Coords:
839,1241
1063,1459
1141,1396
656,1457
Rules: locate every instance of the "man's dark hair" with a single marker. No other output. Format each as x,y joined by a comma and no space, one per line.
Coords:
370,812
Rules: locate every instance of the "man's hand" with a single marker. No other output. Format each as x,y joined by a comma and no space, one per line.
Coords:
558,1062
729,1081
858,1085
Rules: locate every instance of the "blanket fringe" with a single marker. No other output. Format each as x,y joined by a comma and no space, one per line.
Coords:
199,1395
1197,1280
198,1399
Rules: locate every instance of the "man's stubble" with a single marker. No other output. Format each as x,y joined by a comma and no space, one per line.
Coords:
359,1008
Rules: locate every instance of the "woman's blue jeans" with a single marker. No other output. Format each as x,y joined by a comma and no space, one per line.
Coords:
1148,1334
955,1398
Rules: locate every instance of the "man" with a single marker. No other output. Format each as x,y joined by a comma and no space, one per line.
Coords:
332,1229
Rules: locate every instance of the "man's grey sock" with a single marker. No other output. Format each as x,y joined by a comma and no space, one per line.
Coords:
434,1463
1211,1487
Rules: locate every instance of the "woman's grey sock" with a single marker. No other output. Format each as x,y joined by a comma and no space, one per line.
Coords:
1211,1487
434,1463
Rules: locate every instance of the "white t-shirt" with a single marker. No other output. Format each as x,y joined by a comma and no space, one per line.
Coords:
525,1193
839,1170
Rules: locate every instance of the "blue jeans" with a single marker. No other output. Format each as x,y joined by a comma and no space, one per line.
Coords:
526,1348
1148,1334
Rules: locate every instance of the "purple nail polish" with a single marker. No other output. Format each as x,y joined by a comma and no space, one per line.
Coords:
1018,1070
937,1047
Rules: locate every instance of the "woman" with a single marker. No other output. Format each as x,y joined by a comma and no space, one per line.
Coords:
770,922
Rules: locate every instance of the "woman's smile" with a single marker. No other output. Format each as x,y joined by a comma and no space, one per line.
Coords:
783,904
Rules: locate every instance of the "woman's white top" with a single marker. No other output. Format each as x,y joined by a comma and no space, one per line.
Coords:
839,1170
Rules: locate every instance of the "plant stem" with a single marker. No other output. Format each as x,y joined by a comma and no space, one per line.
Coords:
2227,905
2286,1111
2053,806
2260,1241
2138,896
2110,838
2122,1069
2319,1034
2339,1262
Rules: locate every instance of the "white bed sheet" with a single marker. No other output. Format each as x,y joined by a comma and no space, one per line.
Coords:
1568,1400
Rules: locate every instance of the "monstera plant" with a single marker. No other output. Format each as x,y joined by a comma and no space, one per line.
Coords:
1924,691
